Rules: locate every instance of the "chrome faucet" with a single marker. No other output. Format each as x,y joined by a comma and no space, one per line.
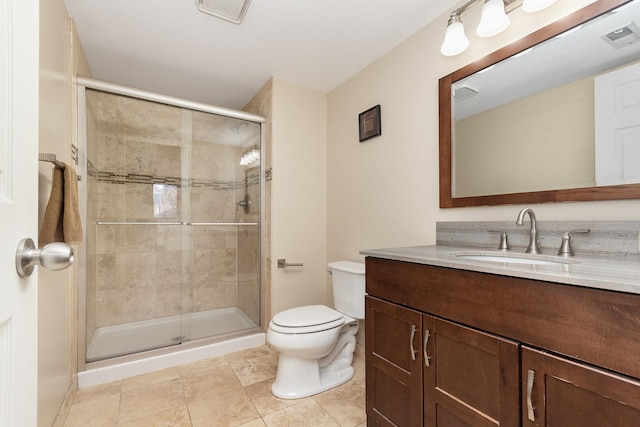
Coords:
533,247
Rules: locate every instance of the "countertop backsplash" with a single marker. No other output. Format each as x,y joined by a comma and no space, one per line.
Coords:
606,238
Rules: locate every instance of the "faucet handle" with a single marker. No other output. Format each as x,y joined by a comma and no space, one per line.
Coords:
565,245
504,243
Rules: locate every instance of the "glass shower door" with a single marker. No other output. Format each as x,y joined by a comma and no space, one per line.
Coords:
136,236
173,225
225,224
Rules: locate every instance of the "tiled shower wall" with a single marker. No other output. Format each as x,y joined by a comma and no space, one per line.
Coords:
156,163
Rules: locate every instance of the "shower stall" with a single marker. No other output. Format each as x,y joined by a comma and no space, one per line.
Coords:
173,221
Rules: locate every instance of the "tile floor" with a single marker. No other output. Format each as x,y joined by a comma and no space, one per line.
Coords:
230,390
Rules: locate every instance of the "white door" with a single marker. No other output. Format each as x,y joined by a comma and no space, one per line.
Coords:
19,69
617,111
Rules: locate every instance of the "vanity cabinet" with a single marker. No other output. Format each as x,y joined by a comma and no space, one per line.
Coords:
449,347
423,370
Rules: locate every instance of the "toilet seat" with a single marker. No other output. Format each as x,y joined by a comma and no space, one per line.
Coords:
306,319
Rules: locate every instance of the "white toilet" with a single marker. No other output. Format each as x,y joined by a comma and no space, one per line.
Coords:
315,342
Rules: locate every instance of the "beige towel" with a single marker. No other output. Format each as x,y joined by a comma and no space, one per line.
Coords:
61,220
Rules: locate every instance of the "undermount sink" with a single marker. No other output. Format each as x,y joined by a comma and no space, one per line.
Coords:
511,258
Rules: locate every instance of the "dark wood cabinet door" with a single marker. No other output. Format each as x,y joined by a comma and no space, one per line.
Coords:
472,378
564,393
393,346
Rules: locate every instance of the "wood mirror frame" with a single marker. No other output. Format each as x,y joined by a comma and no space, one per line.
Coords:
613,192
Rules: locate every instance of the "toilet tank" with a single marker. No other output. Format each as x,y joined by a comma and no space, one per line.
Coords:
348,287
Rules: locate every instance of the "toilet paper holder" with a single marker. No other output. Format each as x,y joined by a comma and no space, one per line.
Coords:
282,263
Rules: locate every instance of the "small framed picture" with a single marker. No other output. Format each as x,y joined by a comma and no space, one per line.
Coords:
369,122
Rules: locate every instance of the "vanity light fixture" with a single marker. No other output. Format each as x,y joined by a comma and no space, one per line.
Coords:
455,40
229,10
493,21
536,5
249,156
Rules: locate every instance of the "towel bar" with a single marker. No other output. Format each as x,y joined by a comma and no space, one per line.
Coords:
51,158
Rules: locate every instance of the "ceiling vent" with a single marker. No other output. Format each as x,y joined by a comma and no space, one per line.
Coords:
229,10
464,92
623,36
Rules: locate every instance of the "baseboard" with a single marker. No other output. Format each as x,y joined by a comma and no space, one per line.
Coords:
67,402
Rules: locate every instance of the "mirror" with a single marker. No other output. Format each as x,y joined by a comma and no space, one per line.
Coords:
536,121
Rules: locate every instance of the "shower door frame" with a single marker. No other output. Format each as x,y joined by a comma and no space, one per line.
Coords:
83,83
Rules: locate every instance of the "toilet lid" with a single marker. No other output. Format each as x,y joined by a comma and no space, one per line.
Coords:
310,315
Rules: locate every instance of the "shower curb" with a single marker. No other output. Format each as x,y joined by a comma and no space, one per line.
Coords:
105,374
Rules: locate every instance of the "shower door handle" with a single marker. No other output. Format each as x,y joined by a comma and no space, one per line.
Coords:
54,256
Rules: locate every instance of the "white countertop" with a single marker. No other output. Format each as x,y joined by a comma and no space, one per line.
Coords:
593,272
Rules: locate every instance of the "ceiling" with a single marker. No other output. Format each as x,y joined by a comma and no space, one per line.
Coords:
168,46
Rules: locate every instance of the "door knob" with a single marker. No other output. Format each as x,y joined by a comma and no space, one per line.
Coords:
54,256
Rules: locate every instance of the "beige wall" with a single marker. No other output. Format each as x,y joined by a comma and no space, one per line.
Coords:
60,53
298,196
554,130
384,192
54,288
80,66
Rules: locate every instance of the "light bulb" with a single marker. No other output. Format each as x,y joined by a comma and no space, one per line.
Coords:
455,40
494,19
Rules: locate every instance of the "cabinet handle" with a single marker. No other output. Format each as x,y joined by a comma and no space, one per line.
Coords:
530,377
426,341
413,334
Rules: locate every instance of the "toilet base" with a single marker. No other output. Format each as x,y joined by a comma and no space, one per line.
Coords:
297,378
303,378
